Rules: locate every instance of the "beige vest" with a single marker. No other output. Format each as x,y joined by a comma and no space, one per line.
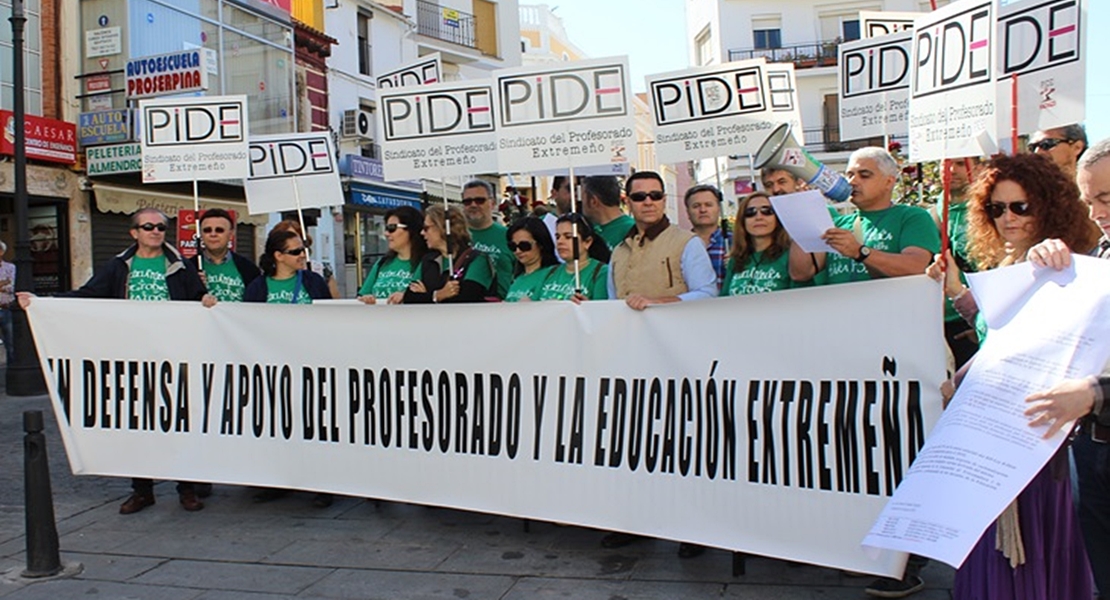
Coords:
650,267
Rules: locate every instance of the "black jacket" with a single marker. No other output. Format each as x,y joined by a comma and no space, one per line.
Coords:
434,278
110,280
314,286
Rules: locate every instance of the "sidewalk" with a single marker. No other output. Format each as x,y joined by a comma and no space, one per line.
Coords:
235,549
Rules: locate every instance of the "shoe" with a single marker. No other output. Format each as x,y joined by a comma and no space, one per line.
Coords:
885,587
268,495
619,539
203,490
136,503
190,502
322,500
686,550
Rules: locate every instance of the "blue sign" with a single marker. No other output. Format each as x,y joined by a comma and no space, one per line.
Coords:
384,198
370,169
104,127
103,20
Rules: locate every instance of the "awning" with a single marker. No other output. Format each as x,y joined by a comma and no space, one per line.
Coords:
127,200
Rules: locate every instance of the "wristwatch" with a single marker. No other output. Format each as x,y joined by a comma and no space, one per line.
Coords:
864,252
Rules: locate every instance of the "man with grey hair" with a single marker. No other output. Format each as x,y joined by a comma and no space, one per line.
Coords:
882,239
7,297
1064,145
487,236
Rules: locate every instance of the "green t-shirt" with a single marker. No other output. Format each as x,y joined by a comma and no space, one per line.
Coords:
757,276
615,231
560,283
494,241
280,291
478,270
527,285
224,280
892,230
957,237
147,279
394,275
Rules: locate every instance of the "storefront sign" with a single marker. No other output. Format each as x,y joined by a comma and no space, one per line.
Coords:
166,74
188,139
370,169
104,127
381,198
108,160
47,139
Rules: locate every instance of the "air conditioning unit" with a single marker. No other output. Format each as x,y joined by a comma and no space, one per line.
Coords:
357,123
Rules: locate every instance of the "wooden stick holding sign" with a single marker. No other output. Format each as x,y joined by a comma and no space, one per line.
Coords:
574,232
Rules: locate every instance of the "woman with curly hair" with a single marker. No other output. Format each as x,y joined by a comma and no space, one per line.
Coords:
759,261
1034,550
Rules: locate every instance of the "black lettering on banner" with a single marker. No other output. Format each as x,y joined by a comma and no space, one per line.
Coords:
667,458
539,398
512,433
870,439
802,436
636,423
654,412
427,389
847,436
308,403
60,368
444,423
478,417
354,405
399,405
207,372
462,398
385,408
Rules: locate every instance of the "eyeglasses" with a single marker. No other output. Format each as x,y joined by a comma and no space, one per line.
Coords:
522,246
294,251
151,226
1047,144
479,200
655,195
392,227
752,211
1019,208
214,230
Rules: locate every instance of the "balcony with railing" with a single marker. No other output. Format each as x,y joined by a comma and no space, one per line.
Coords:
804,56
827,139
444,23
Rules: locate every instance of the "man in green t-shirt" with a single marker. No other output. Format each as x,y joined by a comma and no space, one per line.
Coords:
487,236
226,274
601,203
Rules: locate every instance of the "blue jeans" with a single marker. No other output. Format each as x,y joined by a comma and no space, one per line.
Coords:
6,333
1092,463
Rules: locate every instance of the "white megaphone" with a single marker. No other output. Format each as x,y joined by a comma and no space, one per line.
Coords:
781,152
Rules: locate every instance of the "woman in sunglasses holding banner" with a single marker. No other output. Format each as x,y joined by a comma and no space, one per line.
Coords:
467,277
1034,549
759,261
391,274
286,277
593,263
531,245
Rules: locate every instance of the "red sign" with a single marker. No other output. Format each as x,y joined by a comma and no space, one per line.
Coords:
47,139
286,5
98,83
187,232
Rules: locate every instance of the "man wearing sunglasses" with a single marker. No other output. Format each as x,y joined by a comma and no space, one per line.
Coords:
1064,145
657,263
226,274
487,236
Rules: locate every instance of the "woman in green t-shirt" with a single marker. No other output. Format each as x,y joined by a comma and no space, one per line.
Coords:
759,261
466,277
531,245
593,263
392,273
286,279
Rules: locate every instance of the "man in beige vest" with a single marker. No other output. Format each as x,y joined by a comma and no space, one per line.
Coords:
657,263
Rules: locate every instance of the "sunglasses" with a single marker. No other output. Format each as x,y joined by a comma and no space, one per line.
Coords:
997,209
752,211
294,251
1047,144
214,230
151,226
522,246
392,227
477,200
655,195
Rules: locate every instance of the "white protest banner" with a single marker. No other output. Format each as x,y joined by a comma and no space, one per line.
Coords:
427,70
638,421
167,74
707,112
572,114
953,99
983,453
290,171
194,139
435,130
1044,45
877,24
874,85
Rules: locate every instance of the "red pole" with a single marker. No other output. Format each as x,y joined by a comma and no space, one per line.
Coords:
1014,112
934,3
947,179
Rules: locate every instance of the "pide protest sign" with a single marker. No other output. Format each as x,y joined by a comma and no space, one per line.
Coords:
953,98
166,74
574,114
434,130
877,24
187,139
1043,44
290,171
874,85
427,70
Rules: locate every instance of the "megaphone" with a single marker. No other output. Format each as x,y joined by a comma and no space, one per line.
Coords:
781,152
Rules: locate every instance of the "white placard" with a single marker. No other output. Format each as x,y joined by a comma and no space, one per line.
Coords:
562,115
187,139
434,130
877,24
874,86
168,74
290,171
953,98
426,71
708,443
1045,45
106,41
783,104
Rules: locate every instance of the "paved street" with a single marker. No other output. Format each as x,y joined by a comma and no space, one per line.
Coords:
354,549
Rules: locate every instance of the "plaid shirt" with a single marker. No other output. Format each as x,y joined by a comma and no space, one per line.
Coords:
718,253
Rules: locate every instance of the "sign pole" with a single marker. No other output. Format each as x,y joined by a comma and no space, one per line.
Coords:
1014,114
300,219
447,223
574,231
196,228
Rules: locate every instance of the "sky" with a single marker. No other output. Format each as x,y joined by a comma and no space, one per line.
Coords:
655,42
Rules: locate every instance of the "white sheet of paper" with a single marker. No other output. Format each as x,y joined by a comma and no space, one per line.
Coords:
1045,326
805,215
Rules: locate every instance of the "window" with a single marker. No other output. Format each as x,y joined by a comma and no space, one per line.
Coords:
32,58
365,65
850,30
766,39
703,47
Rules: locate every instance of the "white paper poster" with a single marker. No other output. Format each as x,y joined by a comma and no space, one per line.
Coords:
292,171
877,24
425,71
874,85
194,139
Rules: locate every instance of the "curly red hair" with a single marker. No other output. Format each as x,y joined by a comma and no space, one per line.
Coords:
1054,204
